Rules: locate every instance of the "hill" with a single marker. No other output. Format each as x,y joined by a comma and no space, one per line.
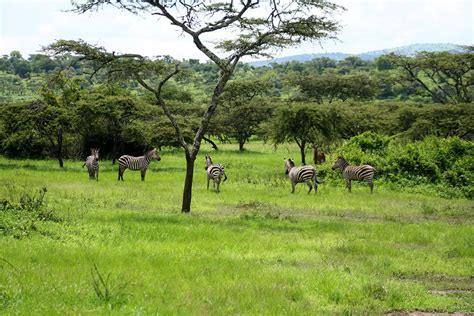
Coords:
408,50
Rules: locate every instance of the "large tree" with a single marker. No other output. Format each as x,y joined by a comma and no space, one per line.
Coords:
246,28
445,77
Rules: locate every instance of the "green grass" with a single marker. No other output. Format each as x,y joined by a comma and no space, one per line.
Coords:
255,248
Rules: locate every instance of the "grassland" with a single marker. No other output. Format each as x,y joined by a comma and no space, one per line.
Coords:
124,247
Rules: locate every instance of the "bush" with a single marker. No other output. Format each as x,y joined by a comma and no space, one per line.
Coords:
446,162
370,142
20,218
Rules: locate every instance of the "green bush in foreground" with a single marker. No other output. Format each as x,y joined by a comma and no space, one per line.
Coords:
20,217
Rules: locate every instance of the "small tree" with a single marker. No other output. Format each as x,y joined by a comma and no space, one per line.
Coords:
305,125
243,109
54,114
251,28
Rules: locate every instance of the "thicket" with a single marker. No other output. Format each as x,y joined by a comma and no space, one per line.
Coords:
446,164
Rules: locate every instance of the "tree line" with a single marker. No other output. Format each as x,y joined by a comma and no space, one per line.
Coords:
147,80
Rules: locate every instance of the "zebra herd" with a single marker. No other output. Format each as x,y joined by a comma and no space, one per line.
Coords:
215,171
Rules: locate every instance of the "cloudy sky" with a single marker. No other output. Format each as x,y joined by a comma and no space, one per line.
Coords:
368,25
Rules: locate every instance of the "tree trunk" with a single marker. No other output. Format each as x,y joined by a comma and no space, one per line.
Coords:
302,151
188,184
59,149
241,145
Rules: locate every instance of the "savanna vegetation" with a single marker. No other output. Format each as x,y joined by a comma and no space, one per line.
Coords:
82,246
73,245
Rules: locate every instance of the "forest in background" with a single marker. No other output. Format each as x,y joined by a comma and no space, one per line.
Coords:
412,117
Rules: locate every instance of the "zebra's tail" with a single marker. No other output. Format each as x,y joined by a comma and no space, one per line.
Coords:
316,179
225,177
83,165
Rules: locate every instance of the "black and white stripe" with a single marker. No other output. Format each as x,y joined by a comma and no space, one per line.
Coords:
214,172
364,172
306,174
92,163
137,163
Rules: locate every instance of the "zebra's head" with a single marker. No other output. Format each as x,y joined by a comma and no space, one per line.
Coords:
153,154
339,163
289,163
208,162
95,153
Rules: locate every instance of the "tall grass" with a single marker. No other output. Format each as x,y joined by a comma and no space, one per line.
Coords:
255,248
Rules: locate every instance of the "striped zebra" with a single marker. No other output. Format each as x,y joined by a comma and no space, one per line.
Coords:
214,172
364,172
137,163
301,174
92,163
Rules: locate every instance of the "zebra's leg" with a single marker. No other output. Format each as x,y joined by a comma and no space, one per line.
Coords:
218,185
121,171
97,175
349,185
310,186
208,179
143,172
293,187
371,186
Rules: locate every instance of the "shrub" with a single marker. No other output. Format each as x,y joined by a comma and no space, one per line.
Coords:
20,218
446,162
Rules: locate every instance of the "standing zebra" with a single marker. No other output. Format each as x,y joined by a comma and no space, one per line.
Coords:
92,163
214,172
301,174
364,172
137,163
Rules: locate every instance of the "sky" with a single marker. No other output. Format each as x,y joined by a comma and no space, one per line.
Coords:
367,25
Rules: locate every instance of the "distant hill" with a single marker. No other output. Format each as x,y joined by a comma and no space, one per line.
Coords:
409,50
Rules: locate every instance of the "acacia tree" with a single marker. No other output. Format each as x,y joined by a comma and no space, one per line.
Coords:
242,109
330,87
445,77
249,28
305,125
53,114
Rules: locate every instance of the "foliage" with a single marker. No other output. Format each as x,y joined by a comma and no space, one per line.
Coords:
447,78
330,87
305,125
20,216
242,110
445,161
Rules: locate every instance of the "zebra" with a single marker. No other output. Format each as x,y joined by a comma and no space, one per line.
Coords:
92,163
137,163
364,172
301,174
214,172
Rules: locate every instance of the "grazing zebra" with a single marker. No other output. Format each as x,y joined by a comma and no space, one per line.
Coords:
137,163
364,172
214,172
301,174
92,163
